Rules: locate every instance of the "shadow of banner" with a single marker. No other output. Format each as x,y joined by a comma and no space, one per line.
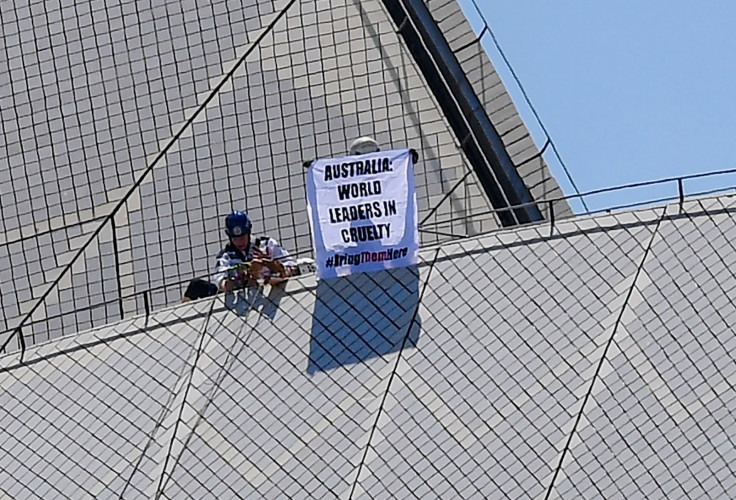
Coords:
363,316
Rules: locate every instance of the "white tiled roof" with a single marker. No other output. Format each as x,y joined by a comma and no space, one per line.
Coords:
593,362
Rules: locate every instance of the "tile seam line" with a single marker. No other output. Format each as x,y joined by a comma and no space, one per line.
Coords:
605,353
391,377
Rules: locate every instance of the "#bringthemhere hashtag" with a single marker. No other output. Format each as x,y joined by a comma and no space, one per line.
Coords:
356,259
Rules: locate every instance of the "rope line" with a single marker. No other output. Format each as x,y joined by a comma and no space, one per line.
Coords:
487,29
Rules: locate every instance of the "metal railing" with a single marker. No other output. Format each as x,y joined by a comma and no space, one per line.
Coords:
678,185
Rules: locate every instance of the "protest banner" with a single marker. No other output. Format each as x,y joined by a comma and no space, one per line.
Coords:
363,213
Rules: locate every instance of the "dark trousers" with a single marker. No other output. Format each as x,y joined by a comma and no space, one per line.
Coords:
199,289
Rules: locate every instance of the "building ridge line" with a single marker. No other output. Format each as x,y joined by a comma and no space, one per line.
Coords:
393,373
603,358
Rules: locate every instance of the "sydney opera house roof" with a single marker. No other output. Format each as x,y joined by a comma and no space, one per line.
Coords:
594,362
529,354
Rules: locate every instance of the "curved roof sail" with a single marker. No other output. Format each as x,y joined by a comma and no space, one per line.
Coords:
130,129
596,361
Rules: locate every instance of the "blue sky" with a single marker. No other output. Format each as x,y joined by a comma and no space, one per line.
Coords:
629,91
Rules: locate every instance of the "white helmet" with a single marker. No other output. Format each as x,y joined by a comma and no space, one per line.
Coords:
363,145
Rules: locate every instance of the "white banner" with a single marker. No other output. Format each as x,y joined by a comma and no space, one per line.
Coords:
363,213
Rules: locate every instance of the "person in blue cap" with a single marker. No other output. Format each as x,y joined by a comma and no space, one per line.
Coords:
241,250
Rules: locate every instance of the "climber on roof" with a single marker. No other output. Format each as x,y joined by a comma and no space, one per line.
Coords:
274,263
